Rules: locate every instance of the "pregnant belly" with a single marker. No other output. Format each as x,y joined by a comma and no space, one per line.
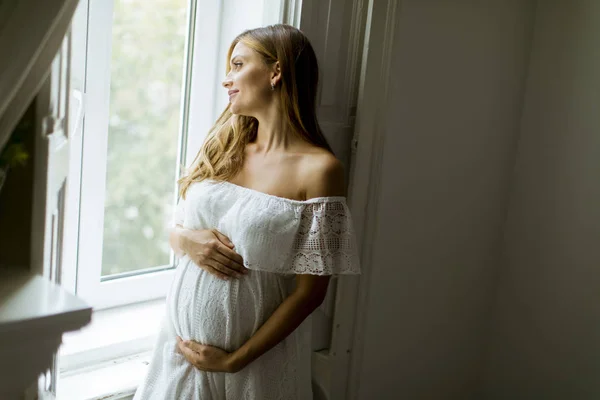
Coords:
222,313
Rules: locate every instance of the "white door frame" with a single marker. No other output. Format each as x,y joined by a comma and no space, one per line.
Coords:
364,191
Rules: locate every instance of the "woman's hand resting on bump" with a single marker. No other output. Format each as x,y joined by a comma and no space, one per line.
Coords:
213,252
208,358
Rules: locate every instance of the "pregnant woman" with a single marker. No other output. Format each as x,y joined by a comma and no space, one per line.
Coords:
261,226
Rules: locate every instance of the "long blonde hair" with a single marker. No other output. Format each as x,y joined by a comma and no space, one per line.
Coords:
222,154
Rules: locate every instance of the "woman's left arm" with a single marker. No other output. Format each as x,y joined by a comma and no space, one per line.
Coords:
309,294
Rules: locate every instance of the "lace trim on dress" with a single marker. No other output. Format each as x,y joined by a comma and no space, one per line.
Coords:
325,241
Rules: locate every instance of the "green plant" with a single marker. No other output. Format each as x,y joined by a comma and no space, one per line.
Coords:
14,152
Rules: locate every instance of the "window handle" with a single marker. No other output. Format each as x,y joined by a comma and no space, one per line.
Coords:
79,96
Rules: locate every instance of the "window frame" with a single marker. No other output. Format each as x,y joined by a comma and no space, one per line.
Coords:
119,289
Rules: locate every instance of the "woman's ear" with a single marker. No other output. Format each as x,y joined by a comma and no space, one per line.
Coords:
276,73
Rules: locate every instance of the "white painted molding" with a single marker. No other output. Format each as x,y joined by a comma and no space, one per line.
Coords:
356,37
34,315
366,173
335,29
40,35
291,12
344,33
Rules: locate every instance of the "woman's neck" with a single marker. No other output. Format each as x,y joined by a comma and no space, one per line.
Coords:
274,133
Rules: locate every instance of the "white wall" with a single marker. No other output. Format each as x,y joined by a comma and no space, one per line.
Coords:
450,129
546,337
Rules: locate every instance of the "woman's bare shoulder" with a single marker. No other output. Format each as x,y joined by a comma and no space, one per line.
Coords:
322,174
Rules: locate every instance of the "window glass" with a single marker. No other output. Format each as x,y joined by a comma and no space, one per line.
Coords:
146,70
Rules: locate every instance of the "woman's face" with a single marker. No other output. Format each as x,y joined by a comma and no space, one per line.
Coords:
248,82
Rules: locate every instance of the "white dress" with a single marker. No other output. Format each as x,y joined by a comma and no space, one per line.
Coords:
277,238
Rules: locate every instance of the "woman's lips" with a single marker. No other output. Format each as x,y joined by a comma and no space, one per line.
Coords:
232,93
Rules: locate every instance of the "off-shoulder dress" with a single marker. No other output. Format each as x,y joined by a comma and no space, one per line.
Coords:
277,238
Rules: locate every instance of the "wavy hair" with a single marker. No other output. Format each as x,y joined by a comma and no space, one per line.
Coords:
222,154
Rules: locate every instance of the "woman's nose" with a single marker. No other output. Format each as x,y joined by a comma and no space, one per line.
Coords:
227,82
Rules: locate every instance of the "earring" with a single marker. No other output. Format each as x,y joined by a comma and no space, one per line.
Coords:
272,87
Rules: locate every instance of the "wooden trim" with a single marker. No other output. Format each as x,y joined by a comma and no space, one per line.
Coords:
38,209
365,189
357,34
291,12
24,76
36,313
347,287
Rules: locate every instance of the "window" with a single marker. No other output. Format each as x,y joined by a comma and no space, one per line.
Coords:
134,78
152,73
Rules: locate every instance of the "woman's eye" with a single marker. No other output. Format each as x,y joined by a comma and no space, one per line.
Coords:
237,64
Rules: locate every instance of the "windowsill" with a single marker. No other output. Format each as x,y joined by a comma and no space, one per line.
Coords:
113,334
112,380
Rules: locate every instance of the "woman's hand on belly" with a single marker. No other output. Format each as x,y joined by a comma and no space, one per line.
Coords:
212,251
206,358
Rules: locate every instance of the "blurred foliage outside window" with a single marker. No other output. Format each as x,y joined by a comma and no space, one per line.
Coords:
148,38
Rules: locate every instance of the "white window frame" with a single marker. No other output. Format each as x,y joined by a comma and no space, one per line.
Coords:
202,101
132,287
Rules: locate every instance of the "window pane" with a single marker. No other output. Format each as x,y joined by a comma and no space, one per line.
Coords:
148,38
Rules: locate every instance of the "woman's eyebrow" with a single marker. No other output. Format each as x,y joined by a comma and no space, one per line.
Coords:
236,56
